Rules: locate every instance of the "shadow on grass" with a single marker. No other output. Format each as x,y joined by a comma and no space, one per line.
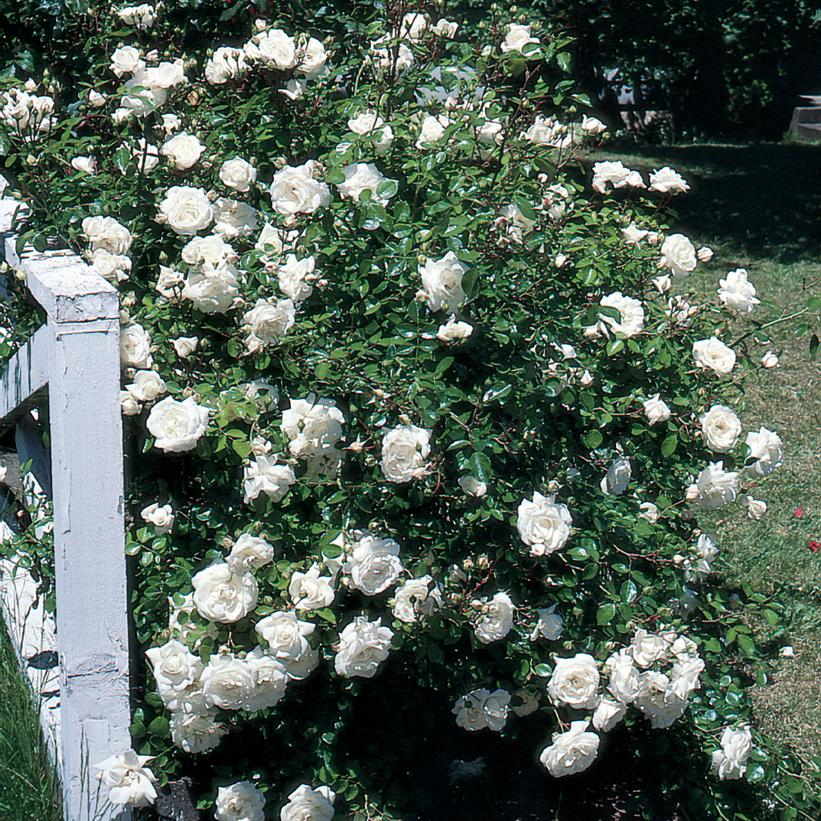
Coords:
763,200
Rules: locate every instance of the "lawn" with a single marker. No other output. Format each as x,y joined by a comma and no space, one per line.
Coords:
759,208
28,785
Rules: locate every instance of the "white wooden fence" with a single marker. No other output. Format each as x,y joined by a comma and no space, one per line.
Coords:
72,362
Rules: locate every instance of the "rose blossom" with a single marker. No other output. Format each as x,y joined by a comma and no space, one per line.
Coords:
572,751
363,646
310,590
249,553
177,426
480,709
405,450
162,517
714,487
373,565
238,174
240,802
712,354
543,524
294,190
187,210
222,595
306,804
495,619
128,781
575,682
679,255
720,428
730,762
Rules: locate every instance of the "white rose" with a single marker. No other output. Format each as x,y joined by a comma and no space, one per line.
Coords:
712,354
108,234
135,346
623,675
175,668
730,762
129,405
631,322
633,235
222,595
227,682
714,487
196,732
445,28
267,322
177,426
240,802
618,477
294,277
249,553
182,151
766,449
678,254
705,253
706,552
543,524
312,425
286,636
442,282
416,598
738,293
480,709
405,451
369,123
112,267
361,177
412,26
274,48
233,218
161,516
517,37
549,132
306,804
310,590
225,64
185,345
313,58
209,252
575,682
270,680
295,191
147,386
720,428
615,174
648,648
657,699
528,703
238,174
593,126
668,181
187,210
213,291
363,646
142,17
608,714
432,130
549,624
495,618
571,752
656,410
274,241
264,475
127,780
127,60
649,512
386,57
373,565
88,165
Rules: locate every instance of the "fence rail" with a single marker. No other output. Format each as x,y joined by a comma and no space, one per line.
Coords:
72,362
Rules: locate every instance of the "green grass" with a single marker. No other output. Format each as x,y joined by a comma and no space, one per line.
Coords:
28,784
759,207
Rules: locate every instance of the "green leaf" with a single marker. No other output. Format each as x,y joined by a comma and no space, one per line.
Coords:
605,613
669,444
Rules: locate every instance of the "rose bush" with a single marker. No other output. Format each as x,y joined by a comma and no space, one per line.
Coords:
424,414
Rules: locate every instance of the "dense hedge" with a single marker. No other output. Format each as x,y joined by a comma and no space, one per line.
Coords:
424,413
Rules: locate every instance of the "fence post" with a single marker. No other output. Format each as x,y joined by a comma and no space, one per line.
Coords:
83,372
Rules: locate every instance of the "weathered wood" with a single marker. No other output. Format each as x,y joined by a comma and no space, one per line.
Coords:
77,356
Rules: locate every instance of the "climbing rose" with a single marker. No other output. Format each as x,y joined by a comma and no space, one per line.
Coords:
177,426
572,751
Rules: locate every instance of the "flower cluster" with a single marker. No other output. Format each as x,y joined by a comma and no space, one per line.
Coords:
411,391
